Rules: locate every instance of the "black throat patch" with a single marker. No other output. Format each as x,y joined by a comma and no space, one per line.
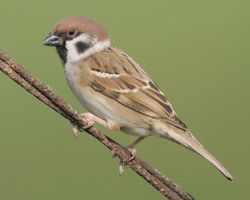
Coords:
82,46
62,52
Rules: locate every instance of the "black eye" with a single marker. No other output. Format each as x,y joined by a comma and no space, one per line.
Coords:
71,32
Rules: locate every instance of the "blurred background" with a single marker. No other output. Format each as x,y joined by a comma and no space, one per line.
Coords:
197,52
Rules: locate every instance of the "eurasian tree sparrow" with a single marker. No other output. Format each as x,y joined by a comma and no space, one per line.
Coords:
118,93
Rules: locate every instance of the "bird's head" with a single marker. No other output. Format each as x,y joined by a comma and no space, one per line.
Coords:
76,38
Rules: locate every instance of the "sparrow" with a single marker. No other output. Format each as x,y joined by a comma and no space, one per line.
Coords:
116,91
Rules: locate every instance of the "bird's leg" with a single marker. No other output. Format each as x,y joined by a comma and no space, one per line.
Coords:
132,149
91,120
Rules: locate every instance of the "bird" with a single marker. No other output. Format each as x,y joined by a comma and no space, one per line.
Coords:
115,89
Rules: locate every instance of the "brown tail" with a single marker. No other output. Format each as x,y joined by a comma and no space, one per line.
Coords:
186,139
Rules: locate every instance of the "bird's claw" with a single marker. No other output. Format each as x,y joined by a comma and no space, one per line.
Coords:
75,128
122,164
133,154
75,131
121,168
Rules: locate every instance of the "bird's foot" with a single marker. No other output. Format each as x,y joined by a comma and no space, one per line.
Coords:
133,154
123,164
75,128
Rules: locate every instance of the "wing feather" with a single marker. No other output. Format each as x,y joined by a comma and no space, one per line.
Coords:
130,86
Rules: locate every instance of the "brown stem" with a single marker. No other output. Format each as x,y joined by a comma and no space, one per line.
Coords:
42,92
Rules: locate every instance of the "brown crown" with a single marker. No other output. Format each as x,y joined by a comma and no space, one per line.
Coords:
81,24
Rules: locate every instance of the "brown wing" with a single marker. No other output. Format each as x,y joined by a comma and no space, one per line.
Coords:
117,76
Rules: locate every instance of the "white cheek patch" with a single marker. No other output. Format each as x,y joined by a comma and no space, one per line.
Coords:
74,56
71,45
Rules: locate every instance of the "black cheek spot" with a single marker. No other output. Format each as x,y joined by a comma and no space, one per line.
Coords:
81,47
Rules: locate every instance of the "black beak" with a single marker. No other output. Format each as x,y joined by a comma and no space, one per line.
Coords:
52,40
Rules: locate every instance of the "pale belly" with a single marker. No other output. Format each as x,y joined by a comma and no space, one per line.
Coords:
104,110
103,107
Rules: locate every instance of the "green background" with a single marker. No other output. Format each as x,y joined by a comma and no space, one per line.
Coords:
197,51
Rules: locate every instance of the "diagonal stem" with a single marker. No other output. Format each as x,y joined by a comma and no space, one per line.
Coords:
43,92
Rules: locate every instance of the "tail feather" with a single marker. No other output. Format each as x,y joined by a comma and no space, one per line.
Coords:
186,139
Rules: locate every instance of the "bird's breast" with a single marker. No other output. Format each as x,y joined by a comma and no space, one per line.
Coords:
78,78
